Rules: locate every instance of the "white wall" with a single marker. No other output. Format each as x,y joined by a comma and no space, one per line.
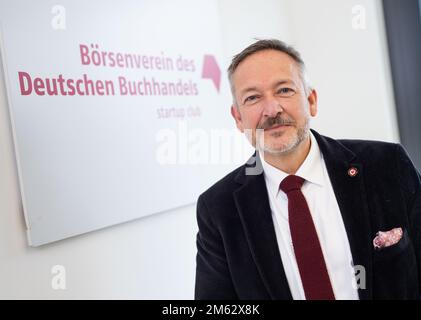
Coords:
154,257
349,67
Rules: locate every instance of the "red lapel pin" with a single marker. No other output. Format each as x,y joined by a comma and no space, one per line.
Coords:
352,172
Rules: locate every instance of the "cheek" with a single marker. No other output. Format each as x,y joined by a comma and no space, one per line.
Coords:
300,111
251,119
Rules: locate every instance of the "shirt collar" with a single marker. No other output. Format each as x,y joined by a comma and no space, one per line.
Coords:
311,169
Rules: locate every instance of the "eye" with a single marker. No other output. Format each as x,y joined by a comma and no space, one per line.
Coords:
286,92
250,99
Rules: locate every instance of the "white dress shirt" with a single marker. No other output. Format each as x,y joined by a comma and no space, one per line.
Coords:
324,209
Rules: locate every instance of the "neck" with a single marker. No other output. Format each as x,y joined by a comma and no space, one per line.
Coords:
291,161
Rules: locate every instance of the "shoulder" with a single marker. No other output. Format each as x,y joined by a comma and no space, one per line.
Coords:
223,189
389,161
371,150
216,204
378,156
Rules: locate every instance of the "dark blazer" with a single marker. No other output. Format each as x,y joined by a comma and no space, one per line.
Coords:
237,252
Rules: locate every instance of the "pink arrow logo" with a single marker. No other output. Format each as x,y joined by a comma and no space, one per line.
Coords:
211,70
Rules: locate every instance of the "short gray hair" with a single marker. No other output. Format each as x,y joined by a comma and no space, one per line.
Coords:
269,44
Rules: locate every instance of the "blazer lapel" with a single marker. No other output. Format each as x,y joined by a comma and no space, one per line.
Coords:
253,206
351,197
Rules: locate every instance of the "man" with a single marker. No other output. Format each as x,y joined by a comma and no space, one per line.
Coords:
312,217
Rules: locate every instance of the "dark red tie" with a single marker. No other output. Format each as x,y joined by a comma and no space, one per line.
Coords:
306,243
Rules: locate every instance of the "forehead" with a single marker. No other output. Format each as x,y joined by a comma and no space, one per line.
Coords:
264,67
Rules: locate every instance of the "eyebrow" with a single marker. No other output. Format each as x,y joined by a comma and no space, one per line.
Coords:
278,83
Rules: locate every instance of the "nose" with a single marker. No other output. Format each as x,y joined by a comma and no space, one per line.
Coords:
271,107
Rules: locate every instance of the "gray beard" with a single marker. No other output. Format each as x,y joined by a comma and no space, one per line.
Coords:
302,134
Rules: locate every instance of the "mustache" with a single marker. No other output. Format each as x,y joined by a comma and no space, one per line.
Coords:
277,121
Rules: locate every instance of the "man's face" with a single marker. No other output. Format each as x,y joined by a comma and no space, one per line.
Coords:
270,96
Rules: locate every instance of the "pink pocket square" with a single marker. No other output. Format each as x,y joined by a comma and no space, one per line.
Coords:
385,239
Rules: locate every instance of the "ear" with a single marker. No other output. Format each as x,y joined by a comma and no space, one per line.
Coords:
237,117
312,101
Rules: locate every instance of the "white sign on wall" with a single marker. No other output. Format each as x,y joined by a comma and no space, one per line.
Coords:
104,97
